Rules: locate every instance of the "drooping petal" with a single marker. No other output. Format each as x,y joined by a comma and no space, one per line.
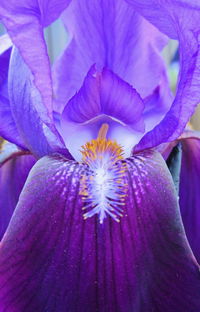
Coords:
52,260
163,13
189,190
103,98
13,173
157,104
8,129
24,21
179,20
33,121
111,34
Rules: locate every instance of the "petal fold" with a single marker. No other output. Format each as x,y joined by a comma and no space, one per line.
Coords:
103,98
29,112
52,260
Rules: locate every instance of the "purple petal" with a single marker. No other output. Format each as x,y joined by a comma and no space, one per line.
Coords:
8,128
52,260
30,115
24,21
117,38
157,104
103,98
159,13
13,173
5,47
189,190
180,20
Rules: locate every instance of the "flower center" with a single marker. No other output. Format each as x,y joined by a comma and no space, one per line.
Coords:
103,188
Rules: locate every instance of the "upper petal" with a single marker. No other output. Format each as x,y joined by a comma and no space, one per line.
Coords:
111,34
163,14
179,20
24,21
52,260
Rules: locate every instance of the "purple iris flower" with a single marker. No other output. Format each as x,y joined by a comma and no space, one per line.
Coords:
90,216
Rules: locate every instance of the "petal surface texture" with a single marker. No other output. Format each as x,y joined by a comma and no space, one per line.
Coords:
179,20
189,191
13,173
52,260
116,38
24,21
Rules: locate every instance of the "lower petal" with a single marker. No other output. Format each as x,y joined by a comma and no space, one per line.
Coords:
53,260
13,174
189,191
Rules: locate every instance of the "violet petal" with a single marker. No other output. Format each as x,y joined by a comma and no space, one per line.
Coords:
111,34
179,20
103,98
30,114
13,173
24,21
52,260
8,128
189,190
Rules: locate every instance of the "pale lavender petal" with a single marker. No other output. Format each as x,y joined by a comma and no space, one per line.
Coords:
111,34
189,190
32,119
103,98
24,21
163,14
13,173
180,20
52,260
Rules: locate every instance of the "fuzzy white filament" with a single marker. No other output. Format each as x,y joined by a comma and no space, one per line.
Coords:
103,188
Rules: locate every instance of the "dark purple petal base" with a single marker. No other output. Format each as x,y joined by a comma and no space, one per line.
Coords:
13,174
52,260
189,191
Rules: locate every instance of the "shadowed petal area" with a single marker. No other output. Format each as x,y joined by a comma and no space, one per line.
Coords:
33,121
52,260
179,20
8,128
111,34
13,173
189,190
157,104
5,48
24,21
103,98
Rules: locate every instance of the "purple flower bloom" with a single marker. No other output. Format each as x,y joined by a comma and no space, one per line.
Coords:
97,224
